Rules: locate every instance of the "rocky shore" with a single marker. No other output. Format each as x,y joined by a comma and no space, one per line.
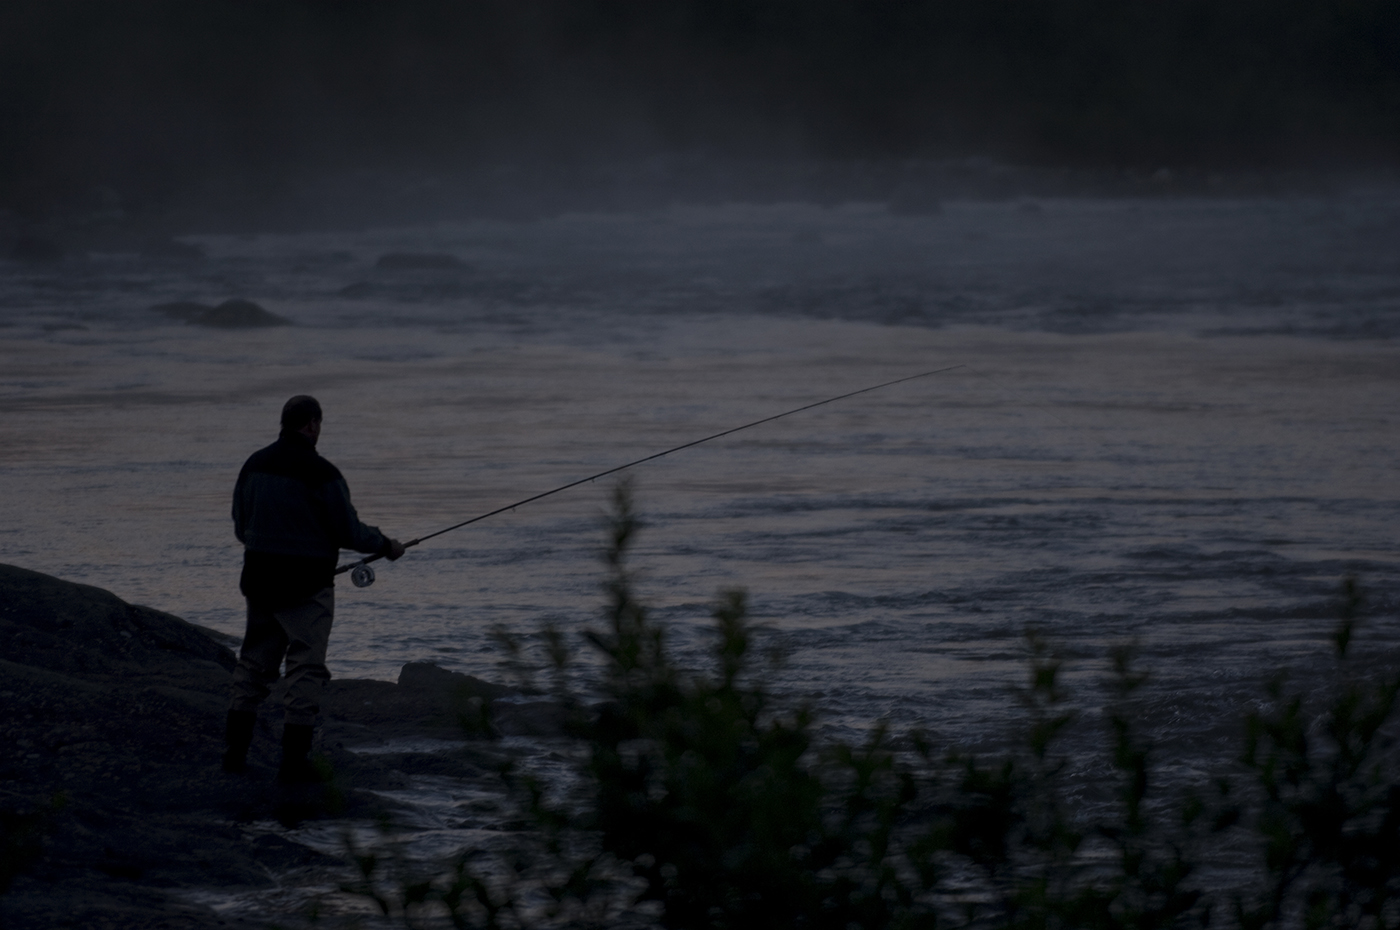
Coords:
112,801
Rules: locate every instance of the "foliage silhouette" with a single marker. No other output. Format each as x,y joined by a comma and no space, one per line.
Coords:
1330,818
708,802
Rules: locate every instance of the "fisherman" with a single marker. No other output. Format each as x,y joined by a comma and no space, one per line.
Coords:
292,512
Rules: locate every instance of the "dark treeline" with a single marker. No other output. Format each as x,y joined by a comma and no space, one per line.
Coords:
149,99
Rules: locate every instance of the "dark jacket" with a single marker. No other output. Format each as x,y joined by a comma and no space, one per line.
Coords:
292,512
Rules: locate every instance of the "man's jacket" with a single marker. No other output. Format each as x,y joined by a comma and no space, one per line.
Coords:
292,512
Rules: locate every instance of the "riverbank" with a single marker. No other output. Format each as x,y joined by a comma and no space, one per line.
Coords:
113,803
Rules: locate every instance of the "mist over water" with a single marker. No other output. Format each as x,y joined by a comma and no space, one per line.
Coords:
1175,421
257,116
518,242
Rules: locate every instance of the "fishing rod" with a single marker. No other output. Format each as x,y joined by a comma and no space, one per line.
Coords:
363,576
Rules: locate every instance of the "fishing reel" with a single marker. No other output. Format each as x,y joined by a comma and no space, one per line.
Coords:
362,576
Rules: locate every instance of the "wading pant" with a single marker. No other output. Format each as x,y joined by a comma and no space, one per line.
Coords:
298,633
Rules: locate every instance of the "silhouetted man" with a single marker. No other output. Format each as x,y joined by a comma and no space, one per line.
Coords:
292,512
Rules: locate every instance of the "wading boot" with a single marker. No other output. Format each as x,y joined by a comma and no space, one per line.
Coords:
238,736
296,768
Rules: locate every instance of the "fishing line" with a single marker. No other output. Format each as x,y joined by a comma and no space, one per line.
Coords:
363,576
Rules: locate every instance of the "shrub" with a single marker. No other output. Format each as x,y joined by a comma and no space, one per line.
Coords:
709,803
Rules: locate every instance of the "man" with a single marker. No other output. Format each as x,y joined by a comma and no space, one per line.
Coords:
292,512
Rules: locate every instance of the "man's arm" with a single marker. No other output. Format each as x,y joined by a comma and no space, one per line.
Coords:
240,519
346,528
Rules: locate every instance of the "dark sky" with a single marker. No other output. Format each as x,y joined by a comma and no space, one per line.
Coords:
151,101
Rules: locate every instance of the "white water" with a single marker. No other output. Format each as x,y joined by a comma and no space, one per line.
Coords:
1175,421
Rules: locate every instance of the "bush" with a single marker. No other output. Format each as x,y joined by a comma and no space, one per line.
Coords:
708,803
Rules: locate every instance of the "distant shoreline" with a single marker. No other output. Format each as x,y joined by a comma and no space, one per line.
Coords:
299,201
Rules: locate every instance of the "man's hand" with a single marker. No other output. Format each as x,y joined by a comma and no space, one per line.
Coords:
396,549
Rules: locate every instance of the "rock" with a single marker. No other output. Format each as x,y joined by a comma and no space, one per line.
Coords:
231,314
240,314
279,853
111,729
424,676
479,704
466,701
418,261
529,718
57,625
118,708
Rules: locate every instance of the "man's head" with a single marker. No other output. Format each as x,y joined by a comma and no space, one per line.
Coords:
302,414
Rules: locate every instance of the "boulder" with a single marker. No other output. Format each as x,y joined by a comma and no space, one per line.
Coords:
64,627
111,729
231,314
426,677
530,718
240,314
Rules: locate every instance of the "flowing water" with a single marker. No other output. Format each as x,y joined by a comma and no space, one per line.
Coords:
1173,421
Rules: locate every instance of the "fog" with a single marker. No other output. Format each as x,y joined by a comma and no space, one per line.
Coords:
237,115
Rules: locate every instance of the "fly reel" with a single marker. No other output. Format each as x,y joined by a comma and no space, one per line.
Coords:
362,576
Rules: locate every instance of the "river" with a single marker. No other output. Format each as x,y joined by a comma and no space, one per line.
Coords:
1172,421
